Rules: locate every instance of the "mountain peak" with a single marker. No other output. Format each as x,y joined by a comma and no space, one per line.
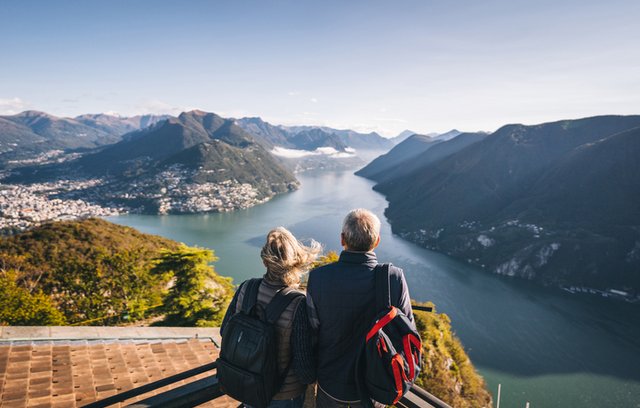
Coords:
405,133
33,114
447,135
196,112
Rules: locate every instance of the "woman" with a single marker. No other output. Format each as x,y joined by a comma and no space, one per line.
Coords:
286,259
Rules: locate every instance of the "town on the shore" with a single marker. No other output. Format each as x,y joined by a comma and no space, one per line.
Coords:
23,206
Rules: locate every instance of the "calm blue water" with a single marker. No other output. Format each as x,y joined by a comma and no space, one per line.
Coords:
542,345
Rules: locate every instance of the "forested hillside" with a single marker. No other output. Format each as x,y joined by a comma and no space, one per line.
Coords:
554,202
96,272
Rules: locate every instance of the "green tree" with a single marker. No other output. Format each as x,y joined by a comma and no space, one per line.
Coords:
92,270
197,296
18,307
329,257
131,286
105,285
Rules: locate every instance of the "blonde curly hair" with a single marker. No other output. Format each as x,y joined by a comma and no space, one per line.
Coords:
286,258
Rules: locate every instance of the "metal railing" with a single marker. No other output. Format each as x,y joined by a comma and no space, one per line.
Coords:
143,389
419,398
207,389
422,308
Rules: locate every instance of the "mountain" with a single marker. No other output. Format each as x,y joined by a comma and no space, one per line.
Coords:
351,138
30,133
312,139
32,136
609,166
416,156
61,132
402,136
364,141
201,141
15,136
404,151
415,144
287,136
302,148
117,125
197,162
555,202
265,133
157,143
216,162
447,135
405,134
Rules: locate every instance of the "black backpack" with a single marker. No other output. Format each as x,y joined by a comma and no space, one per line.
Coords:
248,362
391,357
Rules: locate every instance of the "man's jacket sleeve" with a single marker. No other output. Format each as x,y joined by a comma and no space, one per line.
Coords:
404,299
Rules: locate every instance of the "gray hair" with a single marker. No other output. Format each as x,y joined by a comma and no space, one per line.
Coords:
286,258
360,230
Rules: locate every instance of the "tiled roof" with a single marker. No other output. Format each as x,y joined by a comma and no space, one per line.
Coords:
71,367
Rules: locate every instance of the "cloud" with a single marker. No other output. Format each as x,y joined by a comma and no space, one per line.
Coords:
11,106
314,100
293,93
333,153
327,151
291,153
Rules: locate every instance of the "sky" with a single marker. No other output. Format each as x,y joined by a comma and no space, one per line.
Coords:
385,66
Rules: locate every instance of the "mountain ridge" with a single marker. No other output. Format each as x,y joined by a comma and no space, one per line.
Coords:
418,158
196,162
551,202
28,134
411,147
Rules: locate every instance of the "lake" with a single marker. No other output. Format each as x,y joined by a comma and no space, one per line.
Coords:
543,345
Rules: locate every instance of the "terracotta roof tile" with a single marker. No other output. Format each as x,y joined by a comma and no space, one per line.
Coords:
48,367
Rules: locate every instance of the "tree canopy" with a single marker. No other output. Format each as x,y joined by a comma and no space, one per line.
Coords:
19,307
197,296
96,272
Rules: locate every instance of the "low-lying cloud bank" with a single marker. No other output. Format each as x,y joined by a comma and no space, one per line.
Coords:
327,151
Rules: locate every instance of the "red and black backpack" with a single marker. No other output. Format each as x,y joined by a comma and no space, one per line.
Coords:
391,358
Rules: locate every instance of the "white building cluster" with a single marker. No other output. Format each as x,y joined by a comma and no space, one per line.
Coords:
209,197
170,191
25,206
174,192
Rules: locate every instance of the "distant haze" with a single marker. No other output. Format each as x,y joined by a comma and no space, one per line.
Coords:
365,65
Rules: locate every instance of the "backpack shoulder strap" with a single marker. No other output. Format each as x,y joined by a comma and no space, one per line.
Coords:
280,302
250,297
383,292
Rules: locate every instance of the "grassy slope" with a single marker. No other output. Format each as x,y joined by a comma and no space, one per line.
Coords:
447,370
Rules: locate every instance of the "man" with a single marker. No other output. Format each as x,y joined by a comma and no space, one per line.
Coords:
341,305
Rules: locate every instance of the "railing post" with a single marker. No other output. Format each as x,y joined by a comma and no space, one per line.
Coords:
498,403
